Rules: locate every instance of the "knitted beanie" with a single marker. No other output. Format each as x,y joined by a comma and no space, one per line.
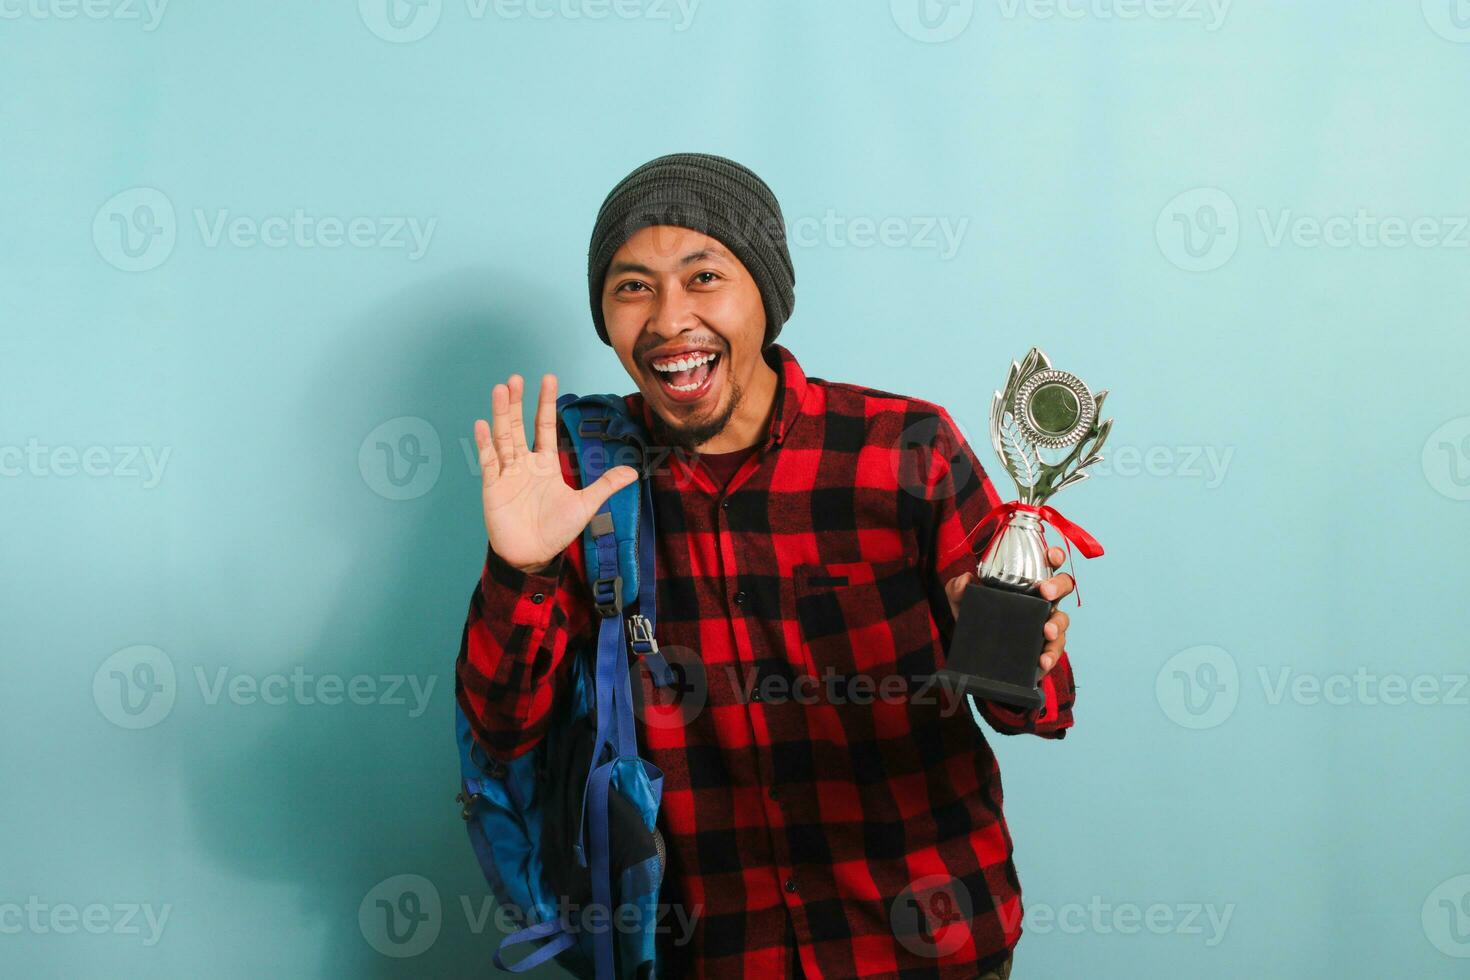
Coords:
703,193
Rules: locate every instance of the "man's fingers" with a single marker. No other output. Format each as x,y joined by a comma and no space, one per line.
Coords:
1056,556
517,422
500,425
1057,586
1056,625
489,465
546,415
957,584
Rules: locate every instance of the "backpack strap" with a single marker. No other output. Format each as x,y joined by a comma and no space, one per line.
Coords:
620,568
594,422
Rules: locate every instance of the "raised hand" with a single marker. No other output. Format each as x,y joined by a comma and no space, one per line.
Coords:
531,514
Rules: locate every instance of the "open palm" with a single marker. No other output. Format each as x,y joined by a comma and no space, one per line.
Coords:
531,514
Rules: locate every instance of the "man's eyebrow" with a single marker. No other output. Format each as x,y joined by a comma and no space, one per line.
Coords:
618,268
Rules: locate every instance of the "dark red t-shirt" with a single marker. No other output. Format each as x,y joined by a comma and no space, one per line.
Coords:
723,466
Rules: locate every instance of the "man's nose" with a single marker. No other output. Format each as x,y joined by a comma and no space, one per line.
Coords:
673,313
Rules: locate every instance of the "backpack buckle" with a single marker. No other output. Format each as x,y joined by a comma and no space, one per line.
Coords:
607,594
467,805
640,634
595,426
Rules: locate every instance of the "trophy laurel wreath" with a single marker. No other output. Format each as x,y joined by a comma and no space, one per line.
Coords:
1046,430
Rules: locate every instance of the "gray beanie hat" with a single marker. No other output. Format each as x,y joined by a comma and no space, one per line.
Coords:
708,194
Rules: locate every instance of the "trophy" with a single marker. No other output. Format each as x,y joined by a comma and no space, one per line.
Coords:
1046,431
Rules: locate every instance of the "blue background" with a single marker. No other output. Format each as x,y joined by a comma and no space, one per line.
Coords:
1118,186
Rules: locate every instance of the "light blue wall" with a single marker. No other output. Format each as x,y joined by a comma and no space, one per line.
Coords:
1286,500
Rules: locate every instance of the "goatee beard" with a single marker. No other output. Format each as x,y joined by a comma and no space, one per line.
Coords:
688,438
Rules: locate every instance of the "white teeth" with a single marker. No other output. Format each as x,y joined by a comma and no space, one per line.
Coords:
684,363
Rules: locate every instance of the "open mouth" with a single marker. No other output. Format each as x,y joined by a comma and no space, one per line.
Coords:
687,376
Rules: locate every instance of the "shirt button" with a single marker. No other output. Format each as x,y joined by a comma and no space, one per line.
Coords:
775,793
725,503
538,598
740,598
755,695
791,884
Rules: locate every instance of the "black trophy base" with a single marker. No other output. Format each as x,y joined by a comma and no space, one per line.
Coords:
996,649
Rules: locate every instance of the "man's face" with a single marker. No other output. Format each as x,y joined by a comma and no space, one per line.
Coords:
685,317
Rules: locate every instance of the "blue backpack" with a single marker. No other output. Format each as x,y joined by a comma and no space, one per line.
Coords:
565,833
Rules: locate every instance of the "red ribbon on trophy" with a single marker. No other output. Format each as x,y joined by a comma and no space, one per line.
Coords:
1072,533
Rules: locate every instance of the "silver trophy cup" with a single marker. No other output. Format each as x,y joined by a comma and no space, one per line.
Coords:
1046,430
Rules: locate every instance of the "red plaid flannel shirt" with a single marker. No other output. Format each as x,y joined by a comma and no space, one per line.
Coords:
798,809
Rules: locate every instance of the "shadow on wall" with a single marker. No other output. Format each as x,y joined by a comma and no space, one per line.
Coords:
341,800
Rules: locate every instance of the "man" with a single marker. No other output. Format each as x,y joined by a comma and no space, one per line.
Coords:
806,529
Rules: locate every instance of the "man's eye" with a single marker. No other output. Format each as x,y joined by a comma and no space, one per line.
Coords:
705,277
633,285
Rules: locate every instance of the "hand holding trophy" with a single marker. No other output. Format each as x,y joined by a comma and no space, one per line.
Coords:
1045,428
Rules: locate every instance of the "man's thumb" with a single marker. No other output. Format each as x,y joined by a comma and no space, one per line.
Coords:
608,484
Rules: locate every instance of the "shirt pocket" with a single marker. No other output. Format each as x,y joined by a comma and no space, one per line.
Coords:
868,618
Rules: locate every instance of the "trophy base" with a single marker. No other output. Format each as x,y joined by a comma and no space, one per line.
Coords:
995,652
